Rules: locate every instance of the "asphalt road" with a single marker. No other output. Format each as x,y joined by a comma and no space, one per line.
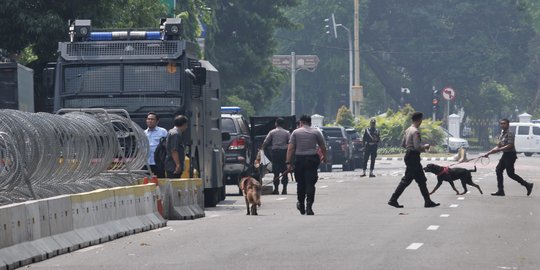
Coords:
353,228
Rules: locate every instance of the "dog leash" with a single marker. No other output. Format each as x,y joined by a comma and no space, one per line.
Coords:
483,160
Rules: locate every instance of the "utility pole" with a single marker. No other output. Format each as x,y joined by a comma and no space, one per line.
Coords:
359,95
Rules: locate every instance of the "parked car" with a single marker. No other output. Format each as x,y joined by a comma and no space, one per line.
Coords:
453,143
357,147
527,140
339,146
238,148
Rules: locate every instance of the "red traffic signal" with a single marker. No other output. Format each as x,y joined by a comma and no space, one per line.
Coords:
435,101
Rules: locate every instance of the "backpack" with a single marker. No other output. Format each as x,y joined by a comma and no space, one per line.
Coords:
161,153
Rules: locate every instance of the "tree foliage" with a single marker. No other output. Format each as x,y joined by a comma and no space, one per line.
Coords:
344,117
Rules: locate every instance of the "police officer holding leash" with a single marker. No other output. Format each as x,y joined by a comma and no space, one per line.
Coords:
278,138
371,139
509,156
413,143
303,146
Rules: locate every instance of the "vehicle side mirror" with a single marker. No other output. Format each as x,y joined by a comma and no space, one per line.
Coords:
225,136
197,74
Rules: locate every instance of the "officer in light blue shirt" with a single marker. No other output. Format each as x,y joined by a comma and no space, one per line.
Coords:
154,133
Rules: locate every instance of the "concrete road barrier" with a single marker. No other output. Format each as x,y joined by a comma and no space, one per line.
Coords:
40,229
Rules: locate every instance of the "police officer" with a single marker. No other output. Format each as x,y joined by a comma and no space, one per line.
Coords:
413,143
509,156
303,148
371,139
174,161
278,138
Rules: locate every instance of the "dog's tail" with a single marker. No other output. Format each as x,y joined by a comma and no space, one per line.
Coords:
473,170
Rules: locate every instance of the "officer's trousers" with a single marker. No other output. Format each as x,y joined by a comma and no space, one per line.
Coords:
507,163
305,172
413,171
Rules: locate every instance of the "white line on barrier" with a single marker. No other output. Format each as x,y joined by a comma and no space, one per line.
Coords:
88,248
414,246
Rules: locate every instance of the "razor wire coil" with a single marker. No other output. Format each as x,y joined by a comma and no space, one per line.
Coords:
43,155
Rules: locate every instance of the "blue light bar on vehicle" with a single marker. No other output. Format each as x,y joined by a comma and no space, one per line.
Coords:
125,35
231,109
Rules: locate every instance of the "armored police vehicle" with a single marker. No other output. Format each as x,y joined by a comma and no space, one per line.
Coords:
143,71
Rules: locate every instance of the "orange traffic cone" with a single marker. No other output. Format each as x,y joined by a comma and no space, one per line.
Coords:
155,180
145,180
159,207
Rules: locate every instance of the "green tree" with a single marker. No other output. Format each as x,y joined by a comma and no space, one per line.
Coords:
344,117
243,46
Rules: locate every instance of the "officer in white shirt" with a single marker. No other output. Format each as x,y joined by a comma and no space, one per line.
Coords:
154,133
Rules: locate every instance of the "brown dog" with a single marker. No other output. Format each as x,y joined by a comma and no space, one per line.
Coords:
251,188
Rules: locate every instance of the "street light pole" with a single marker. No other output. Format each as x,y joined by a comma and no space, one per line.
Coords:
350,66
332,30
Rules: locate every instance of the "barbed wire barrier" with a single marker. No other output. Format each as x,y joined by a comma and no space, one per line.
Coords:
44,155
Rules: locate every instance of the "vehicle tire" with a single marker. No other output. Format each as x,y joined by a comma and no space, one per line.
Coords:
528,154
329,167
211,197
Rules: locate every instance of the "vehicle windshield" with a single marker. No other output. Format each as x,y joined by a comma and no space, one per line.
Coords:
332,132
116,78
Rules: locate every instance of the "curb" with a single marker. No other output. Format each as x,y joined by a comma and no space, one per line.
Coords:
423,159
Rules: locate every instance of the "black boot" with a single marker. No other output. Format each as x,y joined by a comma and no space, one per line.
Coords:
309,208
301,207
394,199
499,192
276,187
529,188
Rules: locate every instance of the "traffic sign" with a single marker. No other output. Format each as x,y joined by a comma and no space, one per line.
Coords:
448,93
302,61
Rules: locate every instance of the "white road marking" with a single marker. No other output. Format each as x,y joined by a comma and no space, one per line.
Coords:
477,181
454,205
340,181
432,227
461,198
281,199
323,186
444,215
414,246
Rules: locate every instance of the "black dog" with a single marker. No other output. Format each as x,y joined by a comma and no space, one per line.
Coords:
451,174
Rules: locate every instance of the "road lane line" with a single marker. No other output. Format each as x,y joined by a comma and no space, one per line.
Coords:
461,198
323,186
414,246
454,205
444,215
432,227
281,199
340,181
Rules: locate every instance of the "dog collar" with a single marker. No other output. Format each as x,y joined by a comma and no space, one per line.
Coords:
444,171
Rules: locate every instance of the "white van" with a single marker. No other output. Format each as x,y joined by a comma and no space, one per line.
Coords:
527,137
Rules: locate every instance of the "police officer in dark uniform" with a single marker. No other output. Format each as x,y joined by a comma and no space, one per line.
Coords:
509,156
413,143
371,140
303,150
